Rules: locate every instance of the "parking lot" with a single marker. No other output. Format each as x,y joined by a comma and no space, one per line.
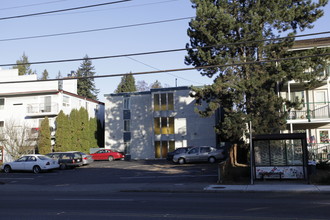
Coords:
105,172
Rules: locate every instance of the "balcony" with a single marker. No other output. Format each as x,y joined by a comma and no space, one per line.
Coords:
42,109
311,111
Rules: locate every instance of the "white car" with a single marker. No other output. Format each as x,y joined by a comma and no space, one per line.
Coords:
31,162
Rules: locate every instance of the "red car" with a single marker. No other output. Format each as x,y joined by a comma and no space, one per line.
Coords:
107,154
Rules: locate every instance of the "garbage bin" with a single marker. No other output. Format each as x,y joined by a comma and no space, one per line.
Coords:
311,167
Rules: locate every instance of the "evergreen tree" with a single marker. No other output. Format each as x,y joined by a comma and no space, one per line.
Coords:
156,85
93,134
127,84
59,75
84,131
23,66
86,86
228,32
45,75
75,125
100,134
62,135
44,140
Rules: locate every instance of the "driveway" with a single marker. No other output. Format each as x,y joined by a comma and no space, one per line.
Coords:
105,172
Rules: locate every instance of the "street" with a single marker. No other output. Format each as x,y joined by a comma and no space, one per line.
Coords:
54,201
147,205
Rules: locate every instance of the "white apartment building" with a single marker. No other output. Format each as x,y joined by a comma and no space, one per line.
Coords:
313,116
26,101
147,125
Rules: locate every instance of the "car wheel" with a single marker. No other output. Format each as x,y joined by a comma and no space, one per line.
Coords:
212,159
36,169
181,160
7,169
62,166
110,158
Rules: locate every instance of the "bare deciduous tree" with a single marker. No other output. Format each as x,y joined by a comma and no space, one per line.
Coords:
17,139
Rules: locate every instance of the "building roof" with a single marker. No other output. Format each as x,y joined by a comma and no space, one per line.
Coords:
311,43
150,91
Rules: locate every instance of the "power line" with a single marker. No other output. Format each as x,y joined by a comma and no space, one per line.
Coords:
95,30
160,69
63,10
158,52
130,6
31,5
177,70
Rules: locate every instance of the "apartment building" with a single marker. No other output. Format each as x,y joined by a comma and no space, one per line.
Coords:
147,125
313,116
25,101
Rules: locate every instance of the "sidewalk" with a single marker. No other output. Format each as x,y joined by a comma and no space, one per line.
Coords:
174,188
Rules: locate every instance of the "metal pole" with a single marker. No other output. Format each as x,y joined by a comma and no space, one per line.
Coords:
251,154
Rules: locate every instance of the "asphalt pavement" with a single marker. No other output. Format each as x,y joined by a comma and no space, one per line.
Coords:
143,176
165,187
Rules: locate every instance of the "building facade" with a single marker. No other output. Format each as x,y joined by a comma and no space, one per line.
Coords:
147,125
313,116
26,101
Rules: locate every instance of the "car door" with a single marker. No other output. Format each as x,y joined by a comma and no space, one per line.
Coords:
98,155
204,153
19,163
30,162
192,155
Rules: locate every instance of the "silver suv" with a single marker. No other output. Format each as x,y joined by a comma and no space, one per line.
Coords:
200,154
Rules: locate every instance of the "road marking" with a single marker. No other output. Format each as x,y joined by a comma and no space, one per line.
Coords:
88,199
171,176
18,178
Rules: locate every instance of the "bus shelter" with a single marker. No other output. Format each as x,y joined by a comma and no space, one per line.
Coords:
280,156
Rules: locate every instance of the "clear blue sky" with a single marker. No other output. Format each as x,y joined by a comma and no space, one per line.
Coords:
163,36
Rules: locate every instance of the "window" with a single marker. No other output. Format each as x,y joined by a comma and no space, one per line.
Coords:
278,152
156,102
2,123
163,147
2,103
324,136
66,101
126,103
164,125
127,146
163,102
127,125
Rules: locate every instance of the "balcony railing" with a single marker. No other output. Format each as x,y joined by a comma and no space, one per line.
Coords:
41,108
319,151
311,111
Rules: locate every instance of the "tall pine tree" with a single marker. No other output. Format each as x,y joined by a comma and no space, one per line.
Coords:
44,140
23,66
127,84
86,86
63,133
246,31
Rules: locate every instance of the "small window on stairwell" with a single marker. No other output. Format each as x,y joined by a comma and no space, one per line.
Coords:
2,103
66,101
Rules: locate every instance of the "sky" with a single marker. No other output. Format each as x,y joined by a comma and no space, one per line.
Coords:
113,41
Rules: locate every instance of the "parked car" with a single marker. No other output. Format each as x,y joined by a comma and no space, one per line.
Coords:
179,150
200,154
67,159
107,154
31,162
86,158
